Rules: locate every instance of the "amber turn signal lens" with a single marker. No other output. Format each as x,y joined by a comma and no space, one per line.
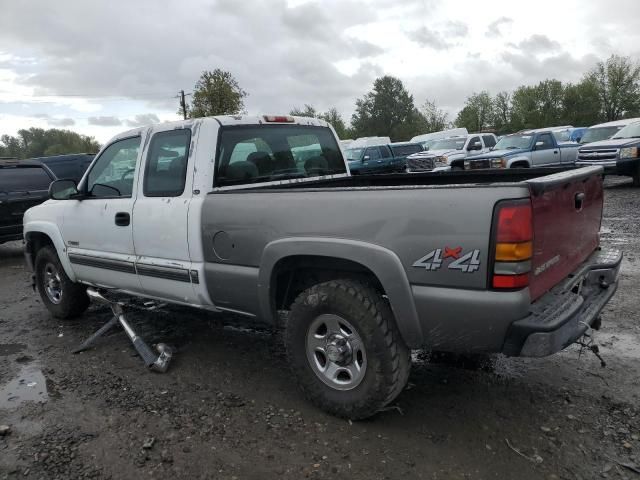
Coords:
514,252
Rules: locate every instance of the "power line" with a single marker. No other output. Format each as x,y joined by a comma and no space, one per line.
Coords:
183,103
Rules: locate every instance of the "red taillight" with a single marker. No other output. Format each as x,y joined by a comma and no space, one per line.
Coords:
511,281
514,223
278,119
513,244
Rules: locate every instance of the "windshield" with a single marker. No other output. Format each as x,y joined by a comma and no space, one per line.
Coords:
252,154
597,134
449,144
353,153
630,131
511,142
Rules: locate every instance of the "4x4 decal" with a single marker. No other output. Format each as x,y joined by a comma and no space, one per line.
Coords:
467,263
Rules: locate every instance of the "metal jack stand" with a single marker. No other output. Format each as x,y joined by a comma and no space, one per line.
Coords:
157,362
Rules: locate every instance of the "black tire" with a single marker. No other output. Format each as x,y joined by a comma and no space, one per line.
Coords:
388,359
73,299
636,176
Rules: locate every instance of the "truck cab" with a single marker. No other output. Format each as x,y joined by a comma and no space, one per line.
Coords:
531,148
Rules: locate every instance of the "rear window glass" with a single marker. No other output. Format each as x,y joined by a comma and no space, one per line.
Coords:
404,150
166,170
276,152
20,179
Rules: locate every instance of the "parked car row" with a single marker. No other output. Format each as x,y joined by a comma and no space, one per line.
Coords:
25,183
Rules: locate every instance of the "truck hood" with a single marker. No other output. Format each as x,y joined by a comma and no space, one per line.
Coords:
612,143
498,153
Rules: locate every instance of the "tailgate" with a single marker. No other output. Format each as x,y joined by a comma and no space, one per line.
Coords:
567,210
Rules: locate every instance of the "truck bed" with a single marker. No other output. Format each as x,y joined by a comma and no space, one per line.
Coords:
484,178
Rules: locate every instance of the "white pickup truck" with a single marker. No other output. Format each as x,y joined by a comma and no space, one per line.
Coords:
259,215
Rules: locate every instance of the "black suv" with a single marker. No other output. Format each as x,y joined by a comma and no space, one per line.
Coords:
70,166
23,184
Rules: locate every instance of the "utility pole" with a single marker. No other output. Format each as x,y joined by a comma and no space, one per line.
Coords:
183,103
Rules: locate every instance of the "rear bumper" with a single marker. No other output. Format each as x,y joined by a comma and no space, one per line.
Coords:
565,313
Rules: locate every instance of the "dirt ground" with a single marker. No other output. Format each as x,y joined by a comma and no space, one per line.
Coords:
228,408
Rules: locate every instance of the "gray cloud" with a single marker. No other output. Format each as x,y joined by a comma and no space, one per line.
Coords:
55,121
143,119
456,29
493,30
107,121
536,44
426,37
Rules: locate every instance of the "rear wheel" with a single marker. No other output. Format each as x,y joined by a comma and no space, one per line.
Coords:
345,349
62,297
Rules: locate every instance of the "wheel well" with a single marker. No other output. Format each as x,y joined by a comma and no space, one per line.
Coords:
34,242
520,164
293,275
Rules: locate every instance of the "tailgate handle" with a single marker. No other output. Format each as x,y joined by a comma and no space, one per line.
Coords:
579,199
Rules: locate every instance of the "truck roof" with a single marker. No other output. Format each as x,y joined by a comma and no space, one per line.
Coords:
228,120
617,123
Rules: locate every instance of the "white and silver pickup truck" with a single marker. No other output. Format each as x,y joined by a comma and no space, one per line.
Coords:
259,215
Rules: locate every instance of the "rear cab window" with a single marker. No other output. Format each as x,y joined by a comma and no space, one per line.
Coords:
166,170
266,153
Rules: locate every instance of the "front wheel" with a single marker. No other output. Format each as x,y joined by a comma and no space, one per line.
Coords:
345,349
62,297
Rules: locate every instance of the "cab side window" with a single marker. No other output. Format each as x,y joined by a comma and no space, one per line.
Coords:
544,142
112,173
166,170
373,153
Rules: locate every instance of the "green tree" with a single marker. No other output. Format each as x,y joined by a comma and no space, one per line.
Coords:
581,106
335,119
617,82
524,108
308,111
387,110
37,142
477,113
435,118
216,93
502,112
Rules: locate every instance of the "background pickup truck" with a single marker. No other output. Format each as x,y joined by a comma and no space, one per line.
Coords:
449,153
524,150
387,158
23,184
217,214
620,155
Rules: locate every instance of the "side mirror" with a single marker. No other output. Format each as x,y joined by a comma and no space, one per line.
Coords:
539,144
475,146
365,158
62,189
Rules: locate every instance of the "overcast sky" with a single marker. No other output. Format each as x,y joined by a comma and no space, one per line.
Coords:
101,67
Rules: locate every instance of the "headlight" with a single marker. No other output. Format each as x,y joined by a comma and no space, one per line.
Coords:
442,161
629,152
498,163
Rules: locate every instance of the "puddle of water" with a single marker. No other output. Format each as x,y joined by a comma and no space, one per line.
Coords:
29,386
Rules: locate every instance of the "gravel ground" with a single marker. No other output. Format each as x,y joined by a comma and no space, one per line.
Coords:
228,408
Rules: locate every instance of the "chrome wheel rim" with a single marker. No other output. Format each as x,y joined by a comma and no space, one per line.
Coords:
335,352
52,283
